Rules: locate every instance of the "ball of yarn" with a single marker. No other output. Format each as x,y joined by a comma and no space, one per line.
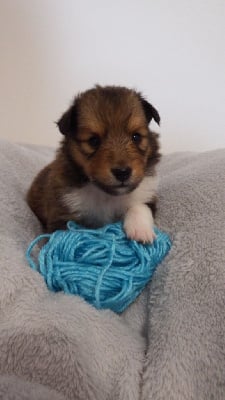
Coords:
100,265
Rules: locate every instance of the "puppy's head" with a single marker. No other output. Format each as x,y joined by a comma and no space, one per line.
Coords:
107,135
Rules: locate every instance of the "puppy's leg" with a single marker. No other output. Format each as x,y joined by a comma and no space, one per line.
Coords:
138,224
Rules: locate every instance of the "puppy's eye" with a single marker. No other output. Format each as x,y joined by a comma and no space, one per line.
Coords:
137,138
94,141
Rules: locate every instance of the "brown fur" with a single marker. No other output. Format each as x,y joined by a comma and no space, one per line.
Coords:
112,115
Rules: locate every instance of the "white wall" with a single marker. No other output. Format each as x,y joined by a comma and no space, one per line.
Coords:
173,51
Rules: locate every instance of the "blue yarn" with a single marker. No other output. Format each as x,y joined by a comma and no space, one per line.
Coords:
100,265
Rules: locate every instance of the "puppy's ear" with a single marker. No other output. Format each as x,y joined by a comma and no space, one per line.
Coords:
68,122
150,111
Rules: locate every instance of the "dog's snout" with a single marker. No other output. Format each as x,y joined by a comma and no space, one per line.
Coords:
122,174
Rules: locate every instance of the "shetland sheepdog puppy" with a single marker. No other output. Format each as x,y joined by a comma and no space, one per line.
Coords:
104,170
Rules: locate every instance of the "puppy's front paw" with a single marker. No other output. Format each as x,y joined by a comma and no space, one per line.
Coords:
140,233
138,224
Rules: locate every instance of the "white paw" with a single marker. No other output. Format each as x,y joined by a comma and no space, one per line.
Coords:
140,233
138,224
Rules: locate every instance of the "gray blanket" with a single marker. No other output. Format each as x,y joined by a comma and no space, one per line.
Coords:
169,344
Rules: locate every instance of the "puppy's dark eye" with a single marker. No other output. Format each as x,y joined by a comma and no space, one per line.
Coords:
137,138
94,141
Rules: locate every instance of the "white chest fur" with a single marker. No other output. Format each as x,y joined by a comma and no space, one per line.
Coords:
96,208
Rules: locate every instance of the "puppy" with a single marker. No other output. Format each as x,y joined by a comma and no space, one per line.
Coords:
104,170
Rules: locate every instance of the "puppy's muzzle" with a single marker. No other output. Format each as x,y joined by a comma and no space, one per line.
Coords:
122,174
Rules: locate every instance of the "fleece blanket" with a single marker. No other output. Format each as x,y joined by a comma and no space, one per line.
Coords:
168,345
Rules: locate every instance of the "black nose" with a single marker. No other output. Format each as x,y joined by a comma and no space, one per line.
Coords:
122,174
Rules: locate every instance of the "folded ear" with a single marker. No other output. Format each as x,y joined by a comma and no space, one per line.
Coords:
68,122
150,111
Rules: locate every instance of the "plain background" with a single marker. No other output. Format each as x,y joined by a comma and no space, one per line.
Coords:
173,51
